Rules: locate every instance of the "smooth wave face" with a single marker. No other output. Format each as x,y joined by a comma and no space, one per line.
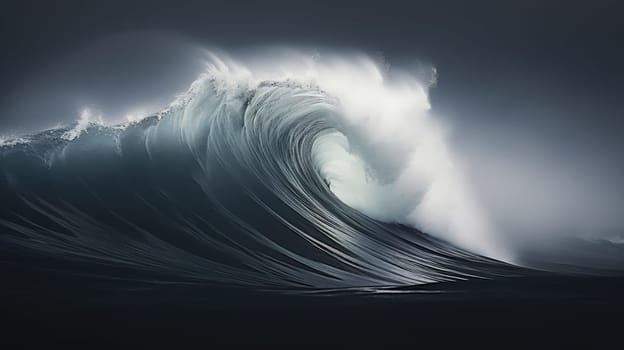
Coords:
249,181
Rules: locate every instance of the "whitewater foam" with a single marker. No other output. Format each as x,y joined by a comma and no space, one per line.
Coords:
87,119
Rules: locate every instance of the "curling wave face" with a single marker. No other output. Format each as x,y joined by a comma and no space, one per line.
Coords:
309,175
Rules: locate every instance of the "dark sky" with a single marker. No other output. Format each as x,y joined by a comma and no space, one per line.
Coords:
565,53
526,84
573,42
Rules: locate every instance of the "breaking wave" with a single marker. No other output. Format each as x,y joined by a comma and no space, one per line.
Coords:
299,173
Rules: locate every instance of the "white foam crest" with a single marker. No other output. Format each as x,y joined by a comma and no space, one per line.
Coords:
6,141
87,119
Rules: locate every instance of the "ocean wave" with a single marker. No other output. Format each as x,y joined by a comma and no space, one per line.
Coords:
313,175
